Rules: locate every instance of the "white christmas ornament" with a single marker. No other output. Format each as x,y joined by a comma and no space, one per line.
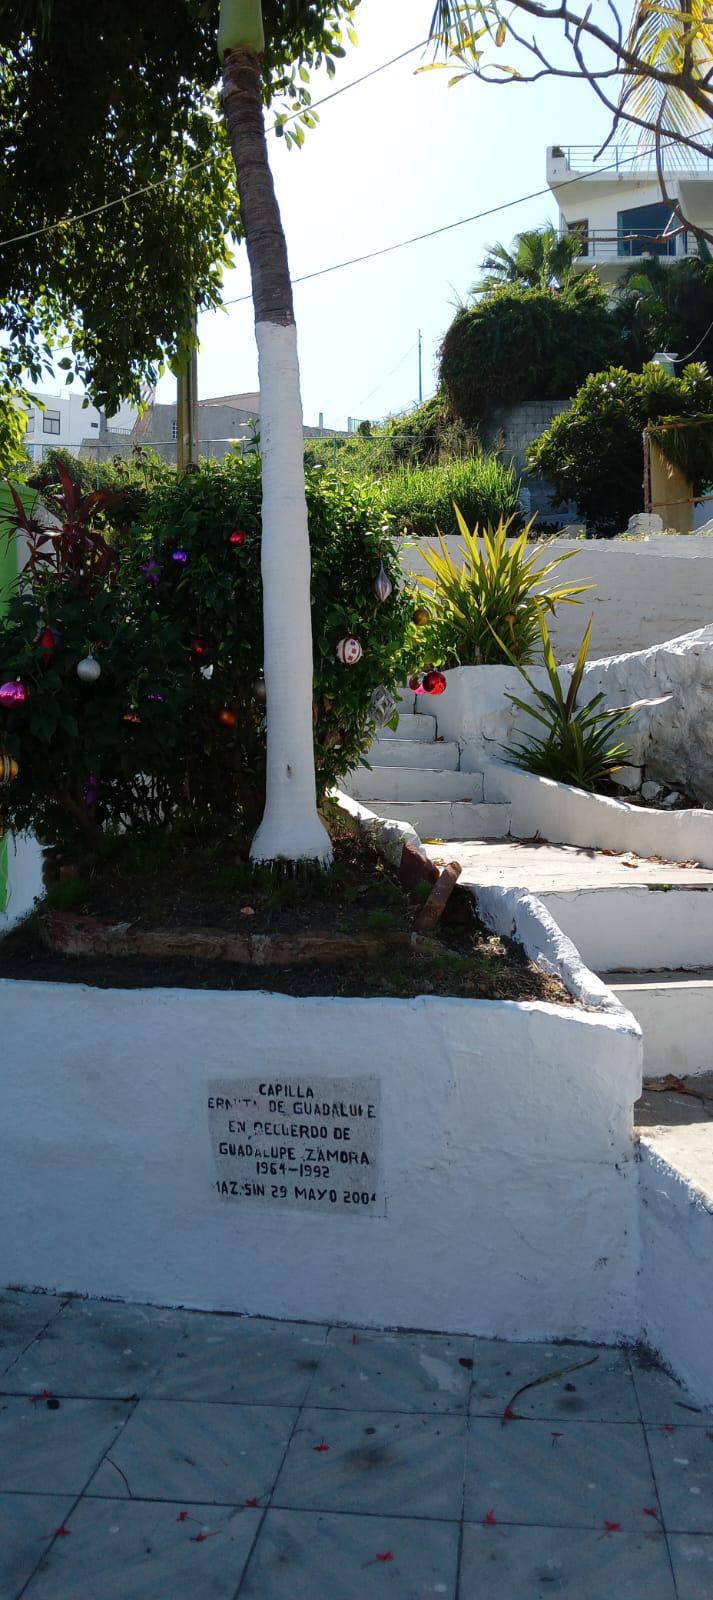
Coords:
349,651
382,706
89,670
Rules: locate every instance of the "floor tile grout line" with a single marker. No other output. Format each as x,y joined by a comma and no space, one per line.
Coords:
645,1428
77,1501
466,1453
390,1411
275,1481
38,1335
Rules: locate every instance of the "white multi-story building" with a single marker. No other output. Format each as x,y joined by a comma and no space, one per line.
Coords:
61,420
612,199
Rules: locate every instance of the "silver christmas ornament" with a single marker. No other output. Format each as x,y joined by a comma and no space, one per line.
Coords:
382,706
89,670
382,586
207,673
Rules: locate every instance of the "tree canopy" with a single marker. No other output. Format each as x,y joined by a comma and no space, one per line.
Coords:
98,101
539,258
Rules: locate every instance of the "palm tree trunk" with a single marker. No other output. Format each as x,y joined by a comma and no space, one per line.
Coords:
290,829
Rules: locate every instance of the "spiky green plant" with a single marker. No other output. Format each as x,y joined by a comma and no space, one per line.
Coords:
577,746
487,595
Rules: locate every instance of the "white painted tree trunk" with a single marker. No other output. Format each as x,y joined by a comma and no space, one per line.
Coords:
291,828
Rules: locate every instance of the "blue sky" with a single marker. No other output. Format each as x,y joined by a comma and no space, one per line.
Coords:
393,157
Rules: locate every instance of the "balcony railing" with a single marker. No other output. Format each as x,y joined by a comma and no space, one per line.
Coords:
623,158
605,244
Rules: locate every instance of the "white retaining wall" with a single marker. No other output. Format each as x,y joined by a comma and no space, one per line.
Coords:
646,590
508,1164
674,740
676,1271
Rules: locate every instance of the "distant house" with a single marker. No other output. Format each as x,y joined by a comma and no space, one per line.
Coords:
225,420
612,200
61,420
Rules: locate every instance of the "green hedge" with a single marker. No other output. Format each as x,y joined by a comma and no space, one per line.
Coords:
421,499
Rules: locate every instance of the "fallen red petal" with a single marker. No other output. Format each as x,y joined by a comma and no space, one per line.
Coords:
613,1527
668,1427
650,1511
387,1556
318,1448
199,1538
252,1502
61,1533
182,1516
509,1415
490,1519
45,1395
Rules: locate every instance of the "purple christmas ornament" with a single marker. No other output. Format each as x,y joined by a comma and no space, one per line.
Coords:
180,557
92,789
14,694
151,571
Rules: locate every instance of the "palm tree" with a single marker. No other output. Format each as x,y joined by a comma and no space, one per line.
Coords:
291,829
668,305
540,258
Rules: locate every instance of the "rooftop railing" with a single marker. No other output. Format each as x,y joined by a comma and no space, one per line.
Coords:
606,244
623,158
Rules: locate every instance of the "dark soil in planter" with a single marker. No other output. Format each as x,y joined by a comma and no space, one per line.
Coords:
156,885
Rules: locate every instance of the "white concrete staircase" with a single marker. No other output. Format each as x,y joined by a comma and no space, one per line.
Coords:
675,1012
415,777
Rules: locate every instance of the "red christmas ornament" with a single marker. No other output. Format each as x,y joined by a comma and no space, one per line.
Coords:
131,717
48,641
435,683
199,647
415,683
237,539
227,718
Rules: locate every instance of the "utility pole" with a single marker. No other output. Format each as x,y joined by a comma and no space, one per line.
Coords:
187,432
420,367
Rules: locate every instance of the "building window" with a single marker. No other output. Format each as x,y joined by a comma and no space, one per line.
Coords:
30,421
50,421
174,431
646,230
581,226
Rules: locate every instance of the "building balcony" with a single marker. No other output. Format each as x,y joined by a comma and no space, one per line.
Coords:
614,247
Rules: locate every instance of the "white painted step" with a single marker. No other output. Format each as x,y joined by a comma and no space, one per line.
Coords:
413,783
624,926
675,1012
392,752
442,819
411,727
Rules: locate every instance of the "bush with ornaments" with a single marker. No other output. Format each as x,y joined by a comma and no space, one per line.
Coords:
131,663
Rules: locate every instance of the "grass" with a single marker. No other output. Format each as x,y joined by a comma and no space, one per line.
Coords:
422,498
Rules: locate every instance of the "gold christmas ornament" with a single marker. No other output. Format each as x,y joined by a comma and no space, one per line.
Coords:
8,767
421,617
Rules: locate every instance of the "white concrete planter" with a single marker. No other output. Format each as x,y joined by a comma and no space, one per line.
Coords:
564,815
506,1199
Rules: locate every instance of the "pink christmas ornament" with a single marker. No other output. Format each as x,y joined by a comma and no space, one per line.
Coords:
14,694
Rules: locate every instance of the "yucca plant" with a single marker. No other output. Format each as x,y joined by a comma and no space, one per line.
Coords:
579,746
485,606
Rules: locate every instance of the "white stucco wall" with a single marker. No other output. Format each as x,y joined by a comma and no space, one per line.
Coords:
507,1152
674,740
676,1271
564,815
646,591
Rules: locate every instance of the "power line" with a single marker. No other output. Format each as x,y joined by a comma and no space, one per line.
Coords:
447,227
390,374
135,194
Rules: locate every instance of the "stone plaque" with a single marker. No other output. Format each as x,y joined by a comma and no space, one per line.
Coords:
310,1143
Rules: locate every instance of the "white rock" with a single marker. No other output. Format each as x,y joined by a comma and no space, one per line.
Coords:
628,778
645,522
671,800
651,791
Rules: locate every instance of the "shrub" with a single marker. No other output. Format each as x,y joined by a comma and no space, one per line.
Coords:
593,453
422,500
576,747
526,344
174,728
421,437
130,476
487,596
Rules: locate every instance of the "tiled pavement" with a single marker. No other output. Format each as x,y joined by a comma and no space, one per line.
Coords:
168,1455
